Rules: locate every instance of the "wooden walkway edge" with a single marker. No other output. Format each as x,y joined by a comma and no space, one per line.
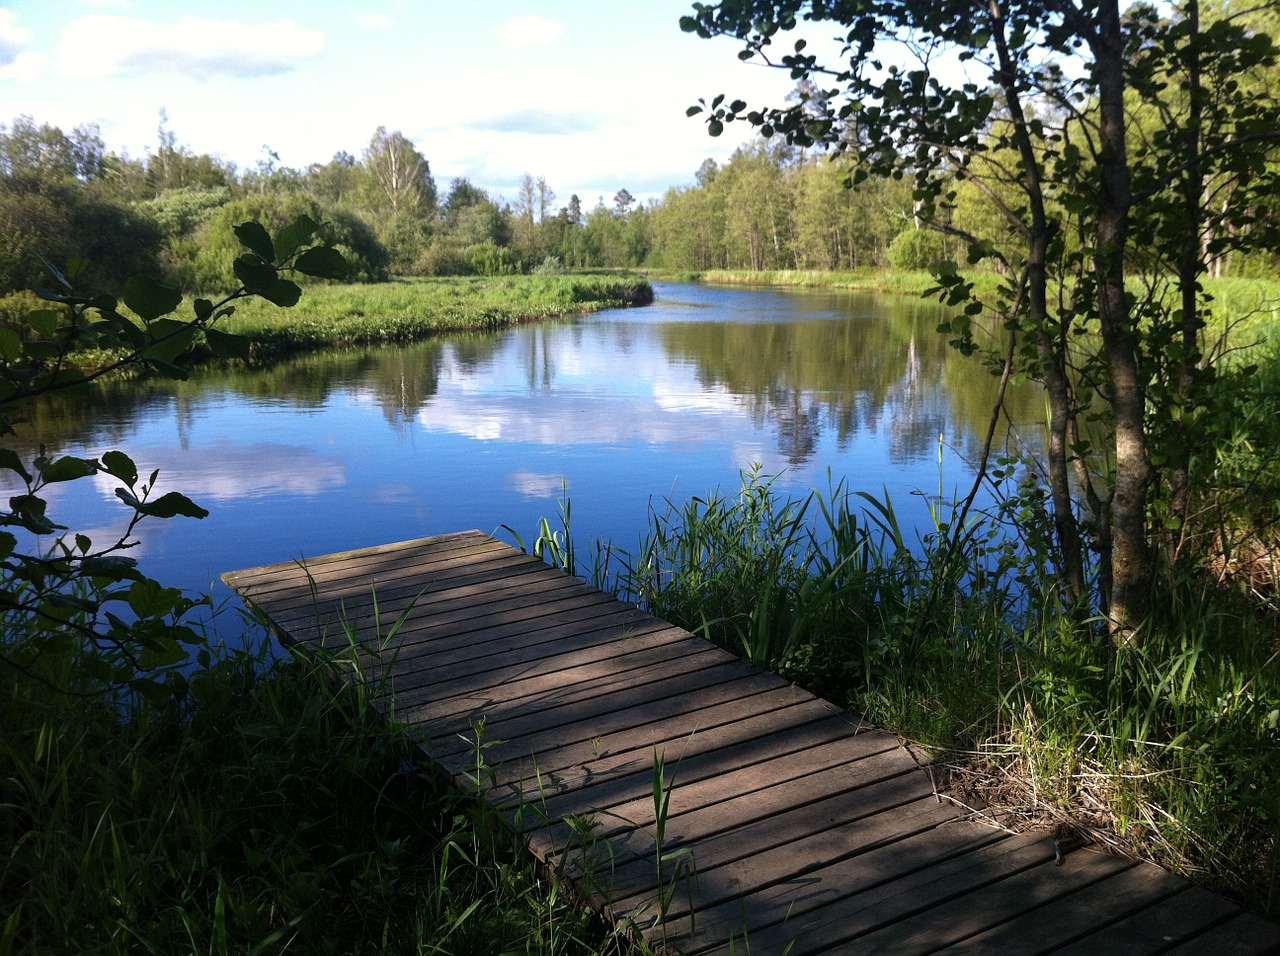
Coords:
790,823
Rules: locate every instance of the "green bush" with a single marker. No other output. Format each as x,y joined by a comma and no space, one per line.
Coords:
916,249
217,246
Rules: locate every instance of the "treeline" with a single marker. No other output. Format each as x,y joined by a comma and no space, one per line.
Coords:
66,200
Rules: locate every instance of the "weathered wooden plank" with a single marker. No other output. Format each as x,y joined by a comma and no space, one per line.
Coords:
988,906
1156,927
294,575
613,708
809,829
821,909
359,598
683,735
711,777
816,908
741,848
605,719
1243,935
1067,919
410,570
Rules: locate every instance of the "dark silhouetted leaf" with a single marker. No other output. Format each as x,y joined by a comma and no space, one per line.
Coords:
254,274
148,299
254,238
323,263
294,236
119,465
226,345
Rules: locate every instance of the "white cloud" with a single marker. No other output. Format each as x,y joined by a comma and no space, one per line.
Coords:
25,68
101,46
227,472
13,38
530,484
375,21
530,30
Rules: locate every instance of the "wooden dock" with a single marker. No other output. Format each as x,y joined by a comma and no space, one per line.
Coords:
788,821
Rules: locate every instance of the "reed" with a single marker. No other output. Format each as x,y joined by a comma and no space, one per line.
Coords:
1169,751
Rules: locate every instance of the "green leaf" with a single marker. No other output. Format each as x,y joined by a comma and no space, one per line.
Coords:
170,338
294,236
110,568
68,468
170,506
7,543
9,459
323,263
254,237
227,346
44,321
282,292
10,345
119,465
203,309
29,510
168,369
154,692
148,299
254,274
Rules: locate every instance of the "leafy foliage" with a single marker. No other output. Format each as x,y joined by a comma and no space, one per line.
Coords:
89,603
1110,146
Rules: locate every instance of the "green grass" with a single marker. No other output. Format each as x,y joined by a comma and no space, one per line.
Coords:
266,809
1246,311
405,310
886,281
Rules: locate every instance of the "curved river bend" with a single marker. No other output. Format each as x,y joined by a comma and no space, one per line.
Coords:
621,409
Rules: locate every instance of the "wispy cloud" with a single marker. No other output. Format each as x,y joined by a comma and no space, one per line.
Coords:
101,46
16,61
529,30
375,21
549,122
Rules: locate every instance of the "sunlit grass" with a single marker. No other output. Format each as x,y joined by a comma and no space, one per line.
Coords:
405,310
1168,751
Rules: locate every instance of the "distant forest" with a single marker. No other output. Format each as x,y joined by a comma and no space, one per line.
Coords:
65,198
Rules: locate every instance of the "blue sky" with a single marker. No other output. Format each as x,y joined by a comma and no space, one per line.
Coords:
591,95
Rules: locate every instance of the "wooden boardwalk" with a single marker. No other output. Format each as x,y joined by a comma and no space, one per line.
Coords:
789,823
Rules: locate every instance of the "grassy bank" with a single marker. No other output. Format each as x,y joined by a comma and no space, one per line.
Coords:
262,810
1169,752
1249,309
884,281
404,310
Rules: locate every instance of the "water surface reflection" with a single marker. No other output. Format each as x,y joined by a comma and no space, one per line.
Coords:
343,450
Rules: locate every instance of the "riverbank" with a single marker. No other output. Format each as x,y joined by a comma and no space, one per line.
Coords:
1248,310
406,310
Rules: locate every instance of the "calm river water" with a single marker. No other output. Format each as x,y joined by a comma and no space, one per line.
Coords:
621,410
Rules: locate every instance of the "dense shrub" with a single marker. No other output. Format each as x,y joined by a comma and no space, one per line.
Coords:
916,249
63,222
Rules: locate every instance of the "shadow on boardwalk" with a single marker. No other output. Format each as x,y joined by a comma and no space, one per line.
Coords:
711,806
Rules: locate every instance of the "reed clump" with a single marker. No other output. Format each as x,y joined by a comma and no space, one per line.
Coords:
1169,751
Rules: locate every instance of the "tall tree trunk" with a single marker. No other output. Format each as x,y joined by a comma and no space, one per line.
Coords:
1050,344
1132,567
1191,264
